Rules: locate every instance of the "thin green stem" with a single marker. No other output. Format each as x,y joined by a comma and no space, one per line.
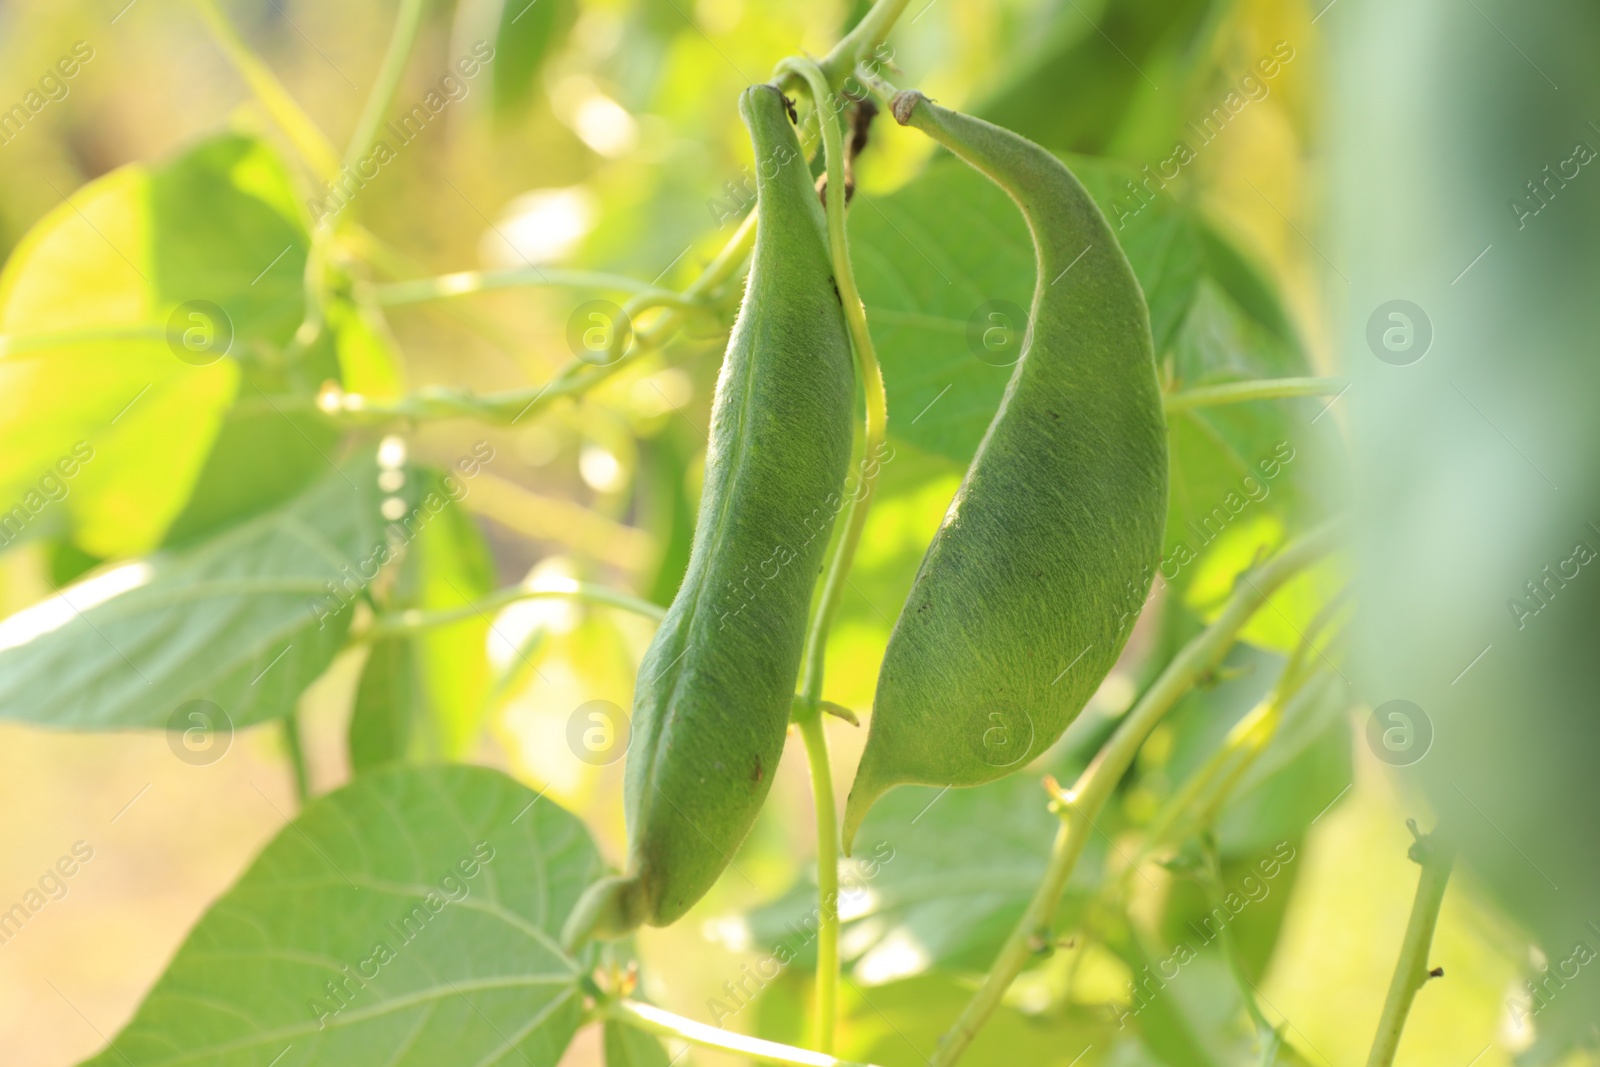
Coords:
576,377
399,622
1270,1047
862,41
408,24
1300,663
1230,948
18,344
827,1007
1436,855
842,553
295,747
1081,805
876,84
653,1020
307,138
467,282
1199,798
399,267
1206,396
877,414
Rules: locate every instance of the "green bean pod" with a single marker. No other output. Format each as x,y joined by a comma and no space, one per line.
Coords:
1028,592
714,690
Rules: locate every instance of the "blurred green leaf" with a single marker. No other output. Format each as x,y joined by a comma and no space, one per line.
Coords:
388,707
260,458
245,621
1256,890
1246,286
1180,1000
369,363
1305,766
939,879
422,694
68,563
666,510
899,1025
86,302
628,1047
925,271
1108,78
410,917
1293,782
526,32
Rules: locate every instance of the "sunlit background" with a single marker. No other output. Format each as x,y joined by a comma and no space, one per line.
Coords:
622,151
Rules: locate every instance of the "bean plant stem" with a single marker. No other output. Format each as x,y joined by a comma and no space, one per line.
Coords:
827,1008
843,551
307,139
877,414
665,1024
18,344
467,282
406,28
862,41
401,622
1436,856
1215,892
578,376
1239,392
1079,806
295,747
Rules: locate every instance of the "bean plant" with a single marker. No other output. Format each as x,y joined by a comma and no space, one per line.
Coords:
1117,659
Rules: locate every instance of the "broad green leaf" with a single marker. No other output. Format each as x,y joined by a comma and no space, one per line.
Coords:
929,278
409,919
86,304
244,621
261,457
526,32
1086,80
1238,462
628,1047
389,706
265,453
422,695
1257,888
925,274
68,562
665,508
451,567
1160,237
1303,769
1245,285
368,361
938,880
1178,1021
900,1024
